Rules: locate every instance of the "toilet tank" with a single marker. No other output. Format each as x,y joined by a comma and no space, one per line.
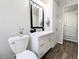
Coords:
19,43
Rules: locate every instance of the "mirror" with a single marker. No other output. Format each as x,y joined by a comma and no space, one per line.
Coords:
37,15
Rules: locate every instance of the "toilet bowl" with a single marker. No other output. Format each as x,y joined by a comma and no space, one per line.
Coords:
18,45
27,54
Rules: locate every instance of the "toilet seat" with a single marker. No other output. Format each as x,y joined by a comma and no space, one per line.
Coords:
26,55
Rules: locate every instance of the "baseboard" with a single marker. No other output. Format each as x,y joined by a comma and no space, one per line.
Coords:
71,40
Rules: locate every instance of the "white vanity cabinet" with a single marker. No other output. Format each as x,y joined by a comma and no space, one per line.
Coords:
43,45
40,42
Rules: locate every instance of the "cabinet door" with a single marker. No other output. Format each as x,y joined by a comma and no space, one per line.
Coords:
44,46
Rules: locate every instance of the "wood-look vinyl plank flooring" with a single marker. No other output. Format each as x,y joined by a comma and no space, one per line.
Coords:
67,50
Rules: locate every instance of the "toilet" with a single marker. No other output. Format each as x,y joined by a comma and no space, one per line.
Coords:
19,45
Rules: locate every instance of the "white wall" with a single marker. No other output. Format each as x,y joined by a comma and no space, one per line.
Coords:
55,18
53,12
57,21
49,16
60,25
13,14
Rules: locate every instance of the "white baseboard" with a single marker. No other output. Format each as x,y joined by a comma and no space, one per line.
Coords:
71,40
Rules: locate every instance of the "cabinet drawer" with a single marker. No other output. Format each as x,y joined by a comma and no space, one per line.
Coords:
43,38
43,42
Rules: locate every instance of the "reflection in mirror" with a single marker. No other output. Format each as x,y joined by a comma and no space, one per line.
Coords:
37,16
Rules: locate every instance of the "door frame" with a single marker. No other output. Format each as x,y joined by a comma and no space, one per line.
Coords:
68,5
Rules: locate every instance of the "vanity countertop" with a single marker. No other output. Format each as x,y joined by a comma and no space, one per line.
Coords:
42,33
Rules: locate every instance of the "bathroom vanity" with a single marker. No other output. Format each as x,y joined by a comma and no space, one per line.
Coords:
41,42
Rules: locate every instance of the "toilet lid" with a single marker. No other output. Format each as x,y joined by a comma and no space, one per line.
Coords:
26,55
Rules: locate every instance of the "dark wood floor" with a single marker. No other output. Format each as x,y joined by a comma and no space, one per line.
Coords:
68,50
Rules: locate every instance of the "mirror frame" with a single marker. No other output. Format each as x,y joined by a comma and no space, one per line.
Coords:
41,27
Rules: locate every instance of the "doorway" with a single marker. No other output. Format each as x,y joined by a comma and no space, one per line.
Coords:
71,23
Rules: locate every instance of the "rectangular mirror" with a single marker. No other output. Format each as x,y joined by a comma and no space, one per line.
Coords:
37,15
